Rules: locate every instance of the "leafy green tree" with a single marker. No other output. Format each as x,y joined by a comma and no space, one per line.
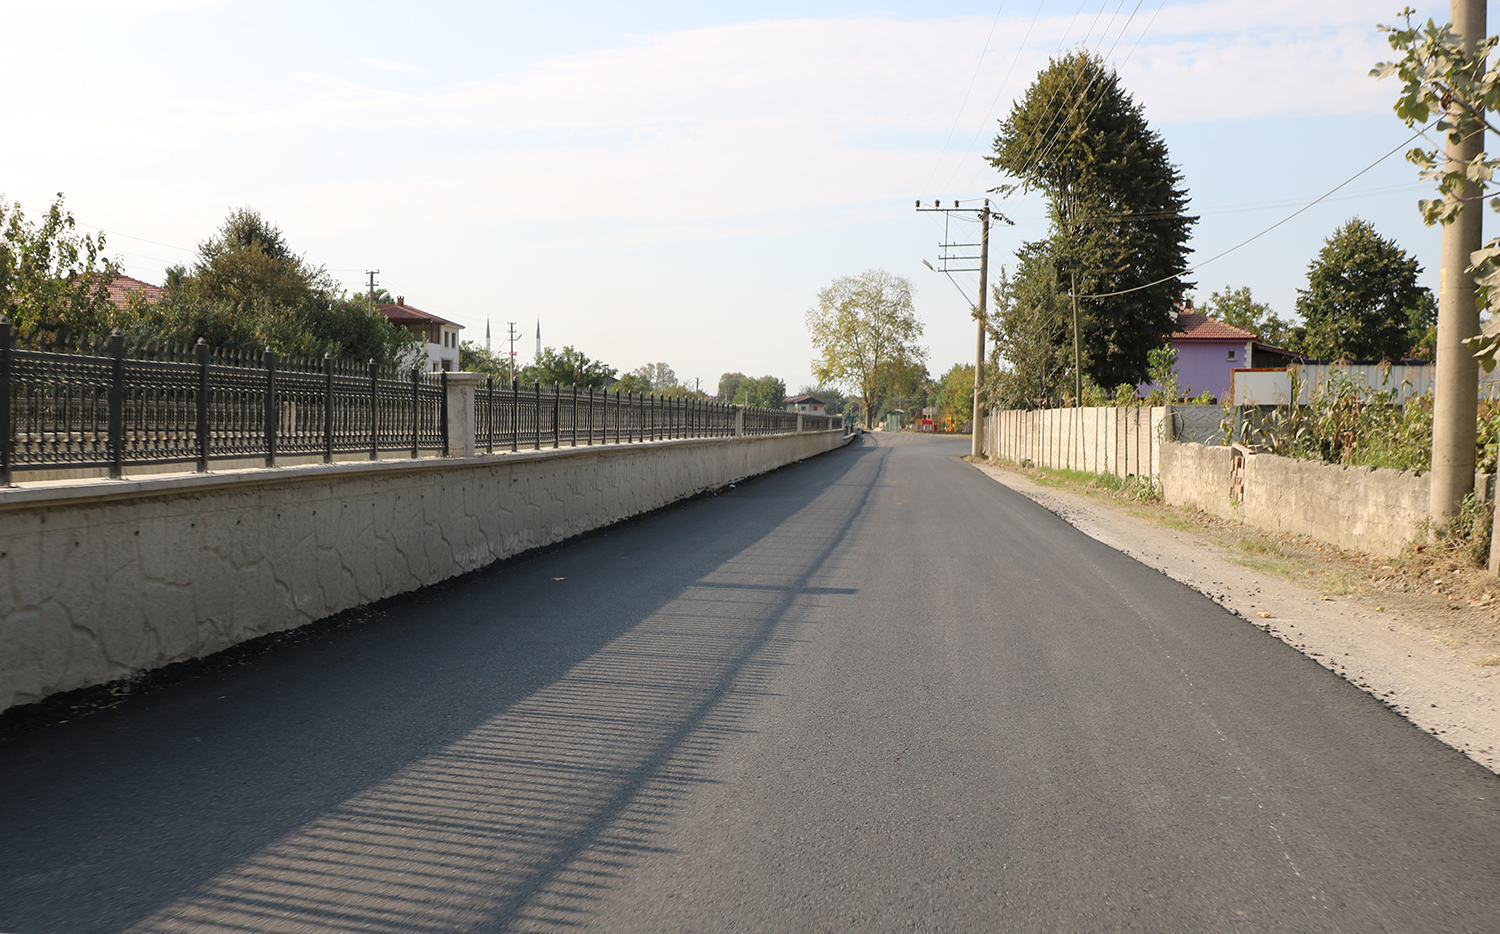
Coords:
1117,208
248,260
954,397
766,392
248,290
1237,308
1362,297
53,279
862,324
1031,357
901,384
568,367
473,358
729,386
1462,91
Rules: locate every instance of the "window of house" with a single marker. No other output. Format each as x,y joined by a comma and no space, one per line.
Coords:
1231,355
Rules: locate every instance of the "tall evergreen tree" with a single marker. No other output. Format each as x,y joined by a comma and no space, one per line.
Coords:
1117,207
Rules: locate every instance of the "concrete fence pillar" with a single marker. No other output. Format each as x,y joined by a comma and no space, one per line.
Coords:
462,425
739,421
799,423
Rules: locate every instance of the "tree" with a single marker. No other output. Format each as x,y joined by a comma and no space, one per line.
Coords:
568,367
1236,307
52,279
729,386
247,290
1031,358
1362,297
1116,203
1437,73
472,358
954,398
766,392
861,324
248,260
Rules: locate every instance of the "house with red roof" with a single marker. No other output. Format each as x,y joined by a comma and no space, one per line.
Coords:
122,287
438,337
1209,351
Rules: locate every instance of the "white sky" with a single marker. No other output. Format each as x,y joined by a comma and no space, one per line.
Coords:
674,181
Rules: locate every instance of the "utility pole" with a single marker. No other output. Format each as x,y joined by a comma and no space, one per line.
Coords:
1455,408
512,357
946,259
372,273
1077,355
976,419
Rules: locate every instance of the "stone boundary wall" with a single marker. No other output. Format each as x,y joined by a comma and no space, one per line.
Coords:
103,580
1365,509
1124,441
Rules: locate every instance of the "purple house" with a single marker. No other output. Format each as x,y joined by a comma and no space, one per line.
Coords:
1208,351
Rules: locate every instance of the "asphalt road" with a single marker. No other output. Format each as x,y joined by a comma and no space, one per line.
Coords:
872,692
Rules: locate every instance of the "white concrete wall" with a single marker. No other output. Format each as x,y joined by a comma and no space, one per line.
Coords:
100,581
1121,440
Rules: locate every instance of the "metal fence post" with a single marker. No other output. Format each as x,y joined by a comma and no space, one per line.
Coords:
116,351
7,433
443,414
575,415
416,409
374,410
515,413
556,414
537,421
489,415
328,408
200,354
268,360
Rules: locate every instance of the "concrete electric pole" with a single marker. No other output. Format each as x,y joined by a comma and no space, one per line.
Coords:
946,258
372,273
1455,408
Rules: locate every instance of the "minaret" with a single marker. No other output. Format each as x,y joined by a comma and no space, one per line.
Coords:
538,339
486,335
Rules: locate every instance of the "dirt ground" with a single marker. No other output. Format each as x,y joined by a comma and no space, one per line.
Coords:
1420,632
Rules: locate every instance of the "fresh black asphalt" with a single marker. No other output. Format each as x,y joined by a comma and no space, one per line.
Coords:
875,691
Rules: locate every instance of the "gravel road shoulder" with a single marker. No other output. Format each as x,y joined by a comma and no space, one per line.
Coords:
1421,655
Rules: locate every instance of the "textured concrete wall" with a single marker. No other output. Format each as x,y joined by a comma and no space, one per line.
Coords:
103,580
1198,475
1360,508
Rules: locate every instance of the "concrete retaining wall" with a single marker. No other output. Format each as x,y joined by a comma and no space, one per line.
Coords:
103,580
1198,475
1121,440
1365,509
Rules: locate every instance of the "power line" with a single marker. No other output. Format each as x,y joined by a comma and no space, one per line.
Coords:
975,77
1322,197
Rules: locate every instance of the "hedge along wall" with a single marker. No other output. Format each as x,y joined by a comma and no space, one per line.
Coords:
102,580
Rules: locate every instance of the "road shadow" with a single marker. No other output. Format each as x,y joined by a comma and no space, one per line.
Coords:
486,756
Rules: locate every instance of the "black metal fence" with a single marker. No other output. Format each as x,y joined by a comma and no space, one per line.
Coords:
514,416
103,404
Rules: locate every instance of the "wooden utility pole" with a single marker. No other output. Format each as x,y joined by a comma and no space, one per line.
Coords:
1455,408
